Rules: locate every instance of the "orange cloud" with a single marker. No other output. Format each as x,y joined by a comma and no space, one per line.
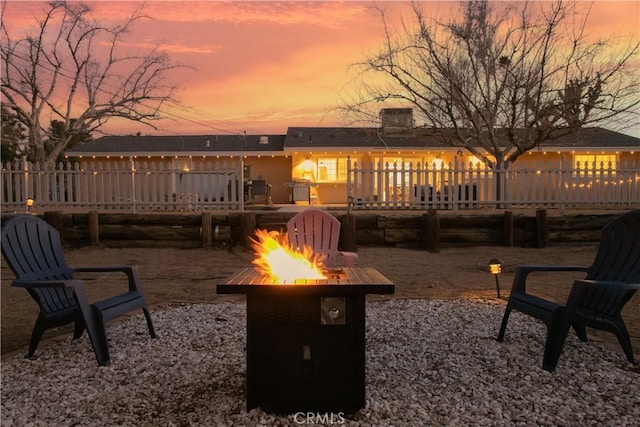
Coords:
264,65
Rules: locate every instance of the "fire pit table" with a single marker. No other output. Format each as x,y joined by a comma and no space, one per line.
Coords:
306,340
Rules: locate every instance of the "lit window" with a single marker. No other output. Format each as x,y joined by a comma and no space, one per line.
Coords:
472,161
182,164
594,162
332,169
402,162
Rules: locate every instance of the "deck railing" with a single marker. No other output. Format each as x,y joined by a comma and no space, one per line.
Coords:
522,185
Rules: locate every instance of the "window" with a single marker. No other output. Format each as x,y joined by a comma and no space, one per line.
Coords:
332,169
402,162
183,165
471,161
594,162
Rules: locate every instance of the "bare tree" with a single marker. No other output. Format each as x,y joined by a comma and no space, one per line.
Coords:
74,70
502,79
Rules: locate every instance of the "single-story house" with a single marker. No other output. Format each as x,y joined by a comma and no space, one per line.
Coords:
319,155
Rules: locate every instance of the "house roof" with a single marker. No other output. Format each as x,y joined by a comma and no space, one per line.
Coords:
312,138
324,138
591,138
308,138
181,145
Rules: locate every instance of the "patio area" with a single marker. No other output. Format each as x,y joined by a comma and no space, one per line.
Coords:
433,362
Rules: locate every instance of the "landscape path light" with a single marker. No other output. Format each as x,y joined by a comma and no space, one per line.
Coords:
495,268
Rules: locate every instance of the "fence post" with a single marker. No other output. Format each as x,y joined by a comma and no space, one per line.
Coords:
206,229
27,188
133,184
431,231
562,184
348,233
56,220
498,186
349,171
94,228
508,229
247,227
542,228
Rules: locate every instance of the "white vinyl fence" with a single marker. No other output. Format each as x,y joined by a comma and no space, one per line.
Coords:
206,185
522,185
127,186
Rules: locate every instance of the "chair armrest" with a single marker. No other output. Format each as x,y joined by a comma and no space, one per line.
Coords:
522,271
130,270
103,269
349,258
61,283
610,284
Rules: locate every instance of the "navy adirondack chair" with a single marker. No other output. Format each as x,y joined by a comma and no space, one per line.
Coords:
33,251
595,301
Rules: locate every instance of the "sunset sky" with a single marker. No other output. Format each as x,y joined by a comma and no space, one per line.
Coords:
262,66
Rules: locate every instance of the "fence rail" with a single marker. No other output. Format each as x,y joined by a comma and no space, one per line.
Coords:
459,186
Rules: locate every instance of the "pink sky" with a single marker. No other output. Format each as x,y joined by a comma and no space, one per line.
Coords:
262,66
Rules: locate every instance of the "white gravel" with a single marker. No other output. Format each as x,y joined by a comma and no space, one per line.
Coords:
428,362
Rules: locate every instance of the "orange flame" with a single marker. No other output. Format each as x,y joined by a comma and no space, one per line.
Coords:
282,263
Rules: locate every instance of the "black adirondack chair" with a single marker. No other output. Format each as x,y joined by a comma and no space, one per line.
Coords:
595,301
33,251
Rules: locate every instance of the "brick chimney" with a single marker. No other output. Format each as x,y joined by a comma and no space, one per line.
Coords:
396,119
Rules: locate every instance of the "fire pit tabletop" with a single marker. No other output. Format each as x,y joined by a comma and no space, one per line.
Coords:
344,281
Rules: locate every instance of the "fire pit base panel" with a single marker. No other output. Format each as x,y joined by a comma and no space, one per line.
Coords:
306,341
296,363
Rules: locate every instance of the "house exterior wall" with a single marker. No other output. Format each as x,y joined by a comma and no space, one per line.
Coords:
278,170
275,170
306,166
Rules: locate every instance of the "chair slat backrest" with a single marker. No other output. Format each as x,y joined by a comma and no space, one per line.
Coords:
618,259
315,228
33,250
259,187
618,256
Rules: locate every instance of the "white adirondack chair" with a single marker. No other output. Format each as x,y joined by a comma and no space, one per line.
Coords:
321,231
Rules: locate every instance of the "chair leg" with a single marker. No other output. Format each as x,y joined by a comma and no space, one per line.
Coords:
557,331
581,331
617,327
147,315
36,335
625,342
620,330
98,329
503,326
78,329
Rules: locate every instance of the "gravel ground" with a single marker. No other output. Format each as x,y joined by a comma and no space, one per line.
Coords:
428,362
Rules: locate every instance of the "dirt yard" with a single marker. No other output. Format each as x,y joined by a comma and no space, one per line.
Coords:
190,275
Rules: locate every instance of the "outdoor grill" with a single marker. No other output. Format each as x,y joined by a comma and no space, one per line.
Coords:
306,340
300,190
